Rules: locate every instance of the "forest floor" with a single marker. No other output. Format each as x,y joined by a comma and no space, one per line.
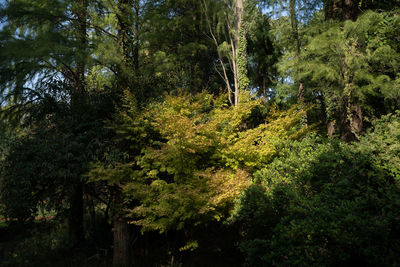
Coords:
42,243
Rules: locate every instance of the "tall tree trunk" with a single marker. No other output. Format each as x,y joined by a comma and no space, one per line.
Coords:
125,42
137,35
125,25
294,24
350,121
76,233
237,26
239,50
76,230
81,53
91,210
264,88
295,31
349,116
324,112
121,253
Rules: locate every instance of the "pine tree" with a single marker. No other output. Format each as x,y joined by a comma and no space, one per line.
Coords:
43,43
341,63
263,54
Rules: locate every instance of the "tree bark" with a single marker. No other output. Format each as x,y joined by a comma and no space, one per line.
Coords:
92,212
121,256
121,242
137,35
238,35
350,121
81,53
264,88
350,114
349,117
125,42
76,229
295,32
76,233
121,253
331,128
341,9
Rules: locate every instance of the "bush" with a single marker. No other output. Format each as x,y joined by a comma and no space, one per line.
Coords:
328,203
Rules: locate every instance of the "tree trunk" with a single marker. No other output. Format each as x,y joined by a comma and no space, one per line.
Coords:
239,50
124,27
121,256
331,128
137,33
350,122
350,9
294,25
81,53
125,68
349,115
76,230
341,9
76,234
237,27
264,88
302,103
324,116
295,32
121,242
92,213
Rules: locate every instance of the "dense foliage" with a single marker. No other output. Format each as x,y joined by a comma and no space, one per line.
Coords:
199,133
326,203
198,159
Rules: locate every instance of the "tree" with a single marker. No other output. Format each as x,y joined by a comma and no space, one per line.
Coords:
193,159
342,9
125,18
349,190
289,28
175,51
351,9
263,55
46,55
234,42
345,60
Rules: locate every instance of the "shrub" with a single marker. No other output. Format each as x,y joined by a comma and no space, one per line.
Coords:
330,203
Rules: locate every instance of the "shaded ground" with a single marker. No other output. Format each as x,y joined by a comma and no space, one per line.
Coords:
43,243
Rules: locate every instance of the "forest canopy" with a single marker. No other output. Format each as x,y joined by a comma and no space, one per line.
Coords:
199,132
